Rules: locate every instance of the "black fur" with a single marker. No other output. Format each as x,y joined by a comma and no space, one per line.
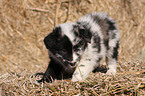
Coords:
57,68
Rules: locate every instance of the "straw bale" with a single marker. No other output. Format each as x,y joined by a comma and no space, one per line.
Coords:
24,24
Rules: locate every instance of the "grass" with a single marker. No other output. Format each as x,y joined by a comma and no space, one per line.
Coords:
24,24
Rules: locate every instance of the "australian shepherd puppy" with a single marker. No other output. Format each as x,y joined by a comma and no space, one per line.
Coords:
75,49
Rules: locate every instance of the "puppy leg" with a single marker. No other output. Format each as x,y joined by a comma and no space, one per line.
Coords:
82,71
86,64
111,57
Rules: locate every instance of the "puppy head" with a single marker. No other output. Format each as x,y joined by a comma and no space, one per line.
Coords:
63,39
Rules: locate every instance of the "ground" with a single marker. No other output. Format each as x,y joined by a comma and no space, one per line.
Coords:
25,23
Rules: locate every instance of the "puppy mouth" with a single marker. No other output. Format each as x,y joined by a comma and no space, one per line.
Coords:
59,59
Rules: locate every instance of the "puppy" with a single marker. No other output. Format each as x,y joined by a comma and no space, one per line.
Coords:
75,49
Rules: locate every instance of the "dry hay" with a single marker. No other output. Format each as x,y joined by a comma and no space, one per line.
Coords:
24,24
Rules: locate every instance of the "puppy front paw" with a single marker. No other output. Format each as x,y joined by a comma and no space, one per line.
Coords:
111,71
76,77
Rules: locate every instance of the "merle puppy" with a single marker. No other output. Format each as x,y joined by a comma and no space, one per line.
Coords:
75,49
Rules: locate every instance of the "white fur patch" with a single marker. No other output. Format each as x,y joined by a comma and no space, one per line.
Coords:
67,30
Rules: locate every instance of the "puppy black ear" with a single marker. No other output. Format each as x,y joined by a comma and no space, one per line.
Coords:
51,39
83,32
